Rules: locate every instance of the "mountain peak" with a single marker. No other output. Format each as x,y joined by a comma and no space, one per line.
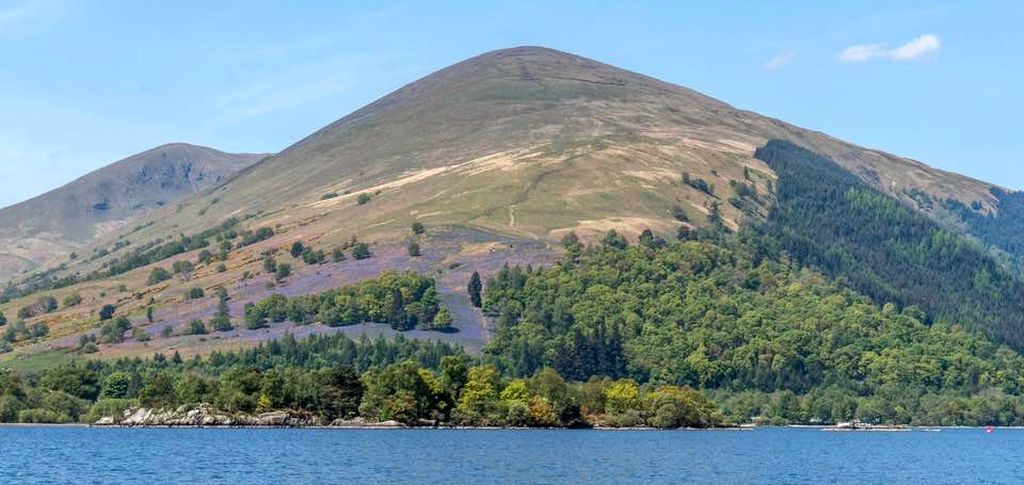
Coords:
535,142
528,50
540,65
59,221
185,147
532,55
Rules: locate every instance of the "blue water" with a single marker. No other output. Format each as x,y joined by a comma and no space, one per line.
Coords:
283,457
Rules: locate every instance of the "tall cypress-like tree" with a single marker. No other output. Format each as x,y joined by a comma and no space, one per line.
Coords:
474,288
222,320
397,314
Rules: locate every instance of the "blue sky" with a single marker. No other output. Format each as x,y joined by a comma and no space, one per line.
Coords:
85,83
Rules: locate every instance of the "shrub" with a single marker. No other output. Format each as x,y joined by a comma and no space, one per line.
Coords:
183,267
338,255
361,251
73,299
43,304
442,320
614,240
87,344
42,416
699,184
196,327
205,256
113,331
107,312
158,275
309,256
252,237
38,329
140,335
254,318
413,248
679,214
109,408
221,324
297,249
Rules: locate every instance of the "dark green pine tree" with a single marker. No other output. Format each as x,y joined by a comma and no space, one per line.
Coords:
474,288
397,314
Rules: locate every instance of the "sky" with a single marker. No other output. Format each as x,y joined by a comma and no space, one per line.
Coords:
86,83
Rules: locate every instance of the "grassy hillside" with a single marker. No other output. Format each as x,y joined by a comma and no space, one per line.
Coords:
499,156
531,142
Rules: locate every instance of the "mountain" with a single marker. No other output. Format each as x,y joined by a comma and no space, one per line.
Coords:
500,157
555,216
58,222
534,142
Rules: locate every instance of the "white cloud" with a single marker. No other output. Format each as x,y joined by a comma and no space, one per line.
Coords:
916,48
780,60
861,53
925,44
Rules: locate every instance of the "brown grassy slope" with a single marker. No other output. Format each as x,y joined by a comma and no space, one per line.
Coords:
533,142
59,221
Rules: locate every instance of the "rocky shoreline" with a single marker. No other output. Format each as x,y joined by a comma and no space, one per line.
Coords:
204,416
861,426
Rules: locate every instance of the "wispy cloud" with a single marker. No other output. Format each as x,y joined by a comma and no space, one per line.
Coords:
780,60
295,87
923,45
916,48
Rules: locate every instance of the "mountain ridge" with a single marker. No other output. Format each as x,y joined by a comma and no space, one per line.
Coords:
57,222
527,104
496,158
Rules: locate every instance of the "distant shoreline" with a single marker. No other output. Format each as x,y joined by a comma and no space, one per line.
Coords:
372,427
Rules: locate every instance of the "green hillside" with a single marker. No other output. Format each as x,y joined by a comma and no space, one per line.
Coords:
830,219
736,318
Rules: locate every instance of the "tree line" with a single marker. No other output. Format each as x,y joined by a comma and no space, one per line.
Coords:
334,377
738,318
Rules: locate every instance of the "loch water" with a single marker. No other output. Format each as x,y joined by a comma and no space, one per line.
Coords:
44,455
